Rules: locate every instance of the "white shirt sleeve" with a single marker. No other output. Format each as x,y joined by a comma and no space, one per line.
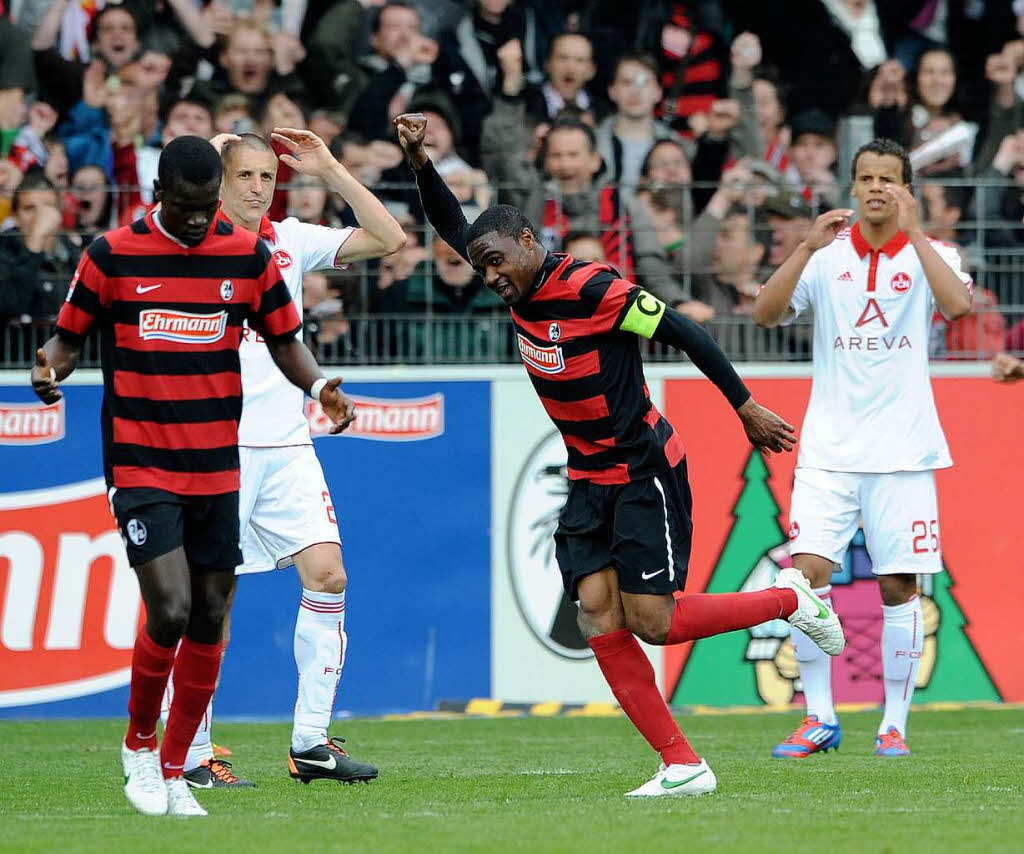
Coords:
803,294
316,245
951,255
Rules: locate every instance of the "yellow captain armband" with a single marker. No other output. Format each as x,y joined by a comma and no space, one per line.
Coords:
644,315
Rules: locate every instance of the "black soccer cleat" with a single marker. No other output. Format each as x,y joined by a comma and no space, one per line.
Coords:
328,762
216,774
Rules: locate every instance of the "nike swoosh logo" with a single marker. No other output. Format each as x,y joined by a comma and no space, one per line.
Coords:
207,785
665,784
648,575
329,764
822,610
142,737
139,289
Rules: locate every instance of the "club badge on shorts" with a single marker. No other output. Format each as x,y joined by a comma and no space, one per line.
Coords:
136,532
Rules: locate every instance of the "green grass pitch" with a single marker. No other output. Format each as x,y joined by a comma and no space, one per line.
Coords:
539,785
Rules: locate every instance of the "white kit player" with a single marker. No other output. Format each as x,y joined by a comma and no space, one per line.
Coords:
871,438
286,513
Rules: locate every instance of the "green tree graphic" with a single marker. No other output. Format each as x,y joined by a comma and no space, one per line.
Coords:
959,673
717,673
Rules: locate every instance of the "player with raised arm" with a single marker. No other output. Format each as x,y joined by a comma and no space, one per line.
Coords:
286,513
170,294
623,538
871,437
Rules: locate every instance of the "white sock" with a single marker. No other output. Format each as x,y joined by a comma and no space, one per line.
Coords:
815,669
902,641
201,748
320,646
165,703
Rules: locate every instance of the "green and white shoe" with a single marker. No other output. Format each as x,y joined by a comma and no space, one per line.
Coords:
812,616
673,781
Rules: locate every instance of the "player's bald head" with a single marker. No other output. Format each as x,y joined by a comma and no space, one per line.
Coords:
245,142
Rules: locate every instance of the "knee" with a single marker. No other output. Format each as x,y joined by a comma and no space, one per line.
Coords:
599,615
650,625
328,577
897,589
167,619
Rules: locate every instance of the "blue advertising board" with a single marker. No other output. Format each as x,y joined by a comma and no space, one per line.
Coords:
412,491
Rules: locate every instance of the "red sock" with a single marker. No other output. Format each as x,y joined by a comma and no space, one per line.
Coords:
631,677
195,678
151,665
700,615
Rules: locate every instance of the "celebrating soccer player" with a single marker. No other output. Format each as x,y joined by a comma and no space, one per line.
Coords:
287,516
623,538
170,294
872,438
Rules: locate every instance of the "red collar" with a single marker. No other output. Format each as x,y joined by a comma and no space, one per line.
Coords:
898,241
266,226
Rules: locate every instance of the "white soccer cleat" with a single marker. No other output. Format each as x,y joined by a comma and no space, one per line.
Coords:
673,781
180,800
144,781
812,616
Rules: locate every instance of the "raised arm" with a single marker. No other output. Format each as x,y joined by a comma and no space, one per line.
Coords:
952,294
379,233
772,305
443,210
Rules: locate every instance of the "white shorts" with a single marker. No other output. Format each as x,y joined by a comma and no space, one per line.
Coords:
284,506
899,511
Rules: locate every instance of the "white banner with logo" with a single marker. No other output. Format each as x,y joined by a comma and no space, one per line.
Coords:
537,651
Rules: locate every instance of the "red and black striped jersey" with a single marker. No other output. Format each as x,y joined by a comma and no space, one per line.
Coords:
170,320
578,340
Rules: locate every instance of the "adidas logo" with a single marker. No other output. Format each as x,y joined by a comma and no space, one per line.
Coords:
846,277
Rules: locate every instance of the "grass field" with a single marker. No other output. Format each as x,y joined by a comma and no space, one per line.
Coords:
539,785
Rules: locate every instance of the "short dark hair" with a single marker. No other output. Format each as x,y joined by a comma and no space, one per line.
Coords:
568,34
378,13
956,195
194,98
885,147
245,140
644,59
94,24
572,123
191,159
645,167
34,179
503,220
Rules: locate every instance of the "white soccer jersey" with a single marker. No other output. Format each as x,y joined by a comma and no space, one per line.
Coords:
871,407
272,408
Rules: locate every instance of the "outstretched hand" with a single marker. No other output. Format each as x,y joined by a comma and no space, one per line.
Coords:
309,155
766,431
44,379
412,130
338,406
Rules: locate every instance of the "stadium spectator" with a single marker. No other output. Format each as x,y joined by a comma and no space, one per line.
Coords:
327,124
405,60
1000,203
812,154
95,211
36,261
482,32
113,44
789,218
625,137
771,116
944,206
234,113
731,284
332,71
448,289
584,246
570,67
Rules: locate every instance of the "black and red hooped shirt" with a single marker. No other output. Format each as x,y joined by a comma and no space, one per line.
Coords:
170,320
588,372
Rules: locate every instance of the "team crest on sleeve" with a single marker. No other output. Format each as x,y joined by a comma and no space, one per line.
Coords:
227,290
282,259
554,332
900,283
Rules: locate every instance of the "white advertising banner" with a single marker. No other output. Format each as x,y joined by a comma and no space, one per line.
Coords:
537,651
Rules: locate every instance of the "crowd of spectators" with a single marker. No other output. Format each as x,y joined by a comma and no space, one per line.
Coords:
689,143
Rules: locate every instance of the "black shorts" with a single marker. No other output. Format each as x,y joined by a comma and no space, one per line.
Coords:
642,528
154,522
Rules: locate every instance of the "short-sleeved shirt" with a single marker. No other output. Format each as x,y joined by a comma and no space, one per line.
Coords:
578,338
272,412
170,320
871,407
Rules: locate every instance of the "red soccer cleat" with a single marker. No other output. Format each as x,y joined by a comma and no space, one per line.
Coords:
891,743
812,736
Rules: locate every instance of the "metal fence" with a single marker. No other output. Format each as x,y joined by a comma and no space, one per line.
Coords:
352,329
